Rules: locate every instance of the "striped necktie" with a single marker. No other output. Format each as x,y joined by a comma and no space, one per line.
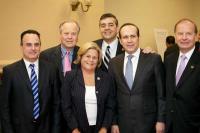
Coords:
34,86
107,56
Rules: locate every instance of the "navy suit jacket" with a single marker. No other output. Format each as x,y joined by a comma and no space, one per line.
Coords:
16,100
119,51
183,99
73,100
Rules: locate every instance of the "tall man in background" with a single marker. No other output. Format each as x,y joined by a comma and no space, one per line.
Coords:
139,84
109,44
29,101
63,55
183,81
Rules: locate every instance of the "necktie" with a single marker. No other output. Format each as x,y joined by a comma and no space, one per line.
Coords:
107,56
181,68
67,64
129,72
34,85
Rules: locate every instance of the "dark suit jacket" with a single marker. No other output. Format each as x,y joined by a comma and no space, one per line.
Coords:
53,55
170,50
141,107
73,100
183,100
119,51
16,100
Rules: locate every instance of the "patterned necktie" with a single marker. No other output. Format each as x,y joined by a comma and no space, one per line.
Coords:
129,72
107,56
34,86
181,68
67,64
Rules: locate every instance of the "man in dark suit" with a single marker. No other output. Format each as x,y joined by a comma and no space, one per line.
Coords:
69,31
139,86
183,81
108,26
29,101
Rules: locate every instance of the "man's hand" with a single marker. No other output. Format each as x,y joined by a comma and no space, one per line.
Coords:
76,131
115,129
103,130
160,127
148,50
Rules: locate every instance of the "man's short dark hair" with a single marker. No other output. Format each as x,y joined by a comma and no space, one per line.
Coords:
127,24
30,31
188,20
109,15
170,40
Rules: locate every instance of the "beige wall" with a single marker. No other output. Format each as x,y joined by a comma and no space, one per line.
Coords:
44,16
162,14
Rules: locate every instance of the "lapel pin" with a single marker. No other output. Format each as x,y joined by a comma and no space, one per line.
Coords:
97,92
192,67
98,78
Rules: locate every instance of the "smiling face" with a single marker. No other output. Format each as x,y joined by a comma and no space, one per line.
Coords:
108,29
129,38
69,35
30,47
185,36
89,60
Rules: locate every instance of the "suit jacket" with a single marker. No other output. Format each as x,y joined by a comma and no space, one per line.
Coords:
141,107
53,55
16,100
73,100
119,51
183,100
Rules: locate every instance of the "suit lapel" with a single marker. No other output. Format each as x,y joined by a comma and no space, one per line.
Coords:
58,61
139,70
98,79
24,74
120,65
190,67
42,75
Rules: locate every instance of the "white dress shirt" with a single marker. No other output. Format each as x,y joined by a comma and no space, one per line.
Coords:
113,48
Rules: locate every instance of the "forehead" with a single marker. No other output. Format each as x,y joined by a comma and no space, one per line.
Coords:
30,37
107,20
185,25
128,29
69,27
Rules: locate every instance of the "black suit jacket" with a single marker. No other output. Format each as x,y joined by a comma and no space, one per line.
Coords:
73,100
16,100
53,55
119,51
141,107
183,100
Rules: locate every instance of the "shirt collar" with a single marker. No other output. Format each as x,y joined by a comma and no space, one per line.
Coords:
188,54
112,45
27,63
64,50
135,54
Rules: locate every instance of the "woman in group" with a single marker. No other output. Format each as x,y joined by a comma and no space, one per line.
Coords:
87,93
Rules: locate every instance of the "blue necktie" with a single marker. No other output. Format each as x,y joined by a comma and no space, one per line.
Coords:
34,86
129,72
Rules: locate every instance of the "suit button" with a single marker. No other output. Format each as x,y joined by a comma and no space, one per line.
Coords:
172,111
